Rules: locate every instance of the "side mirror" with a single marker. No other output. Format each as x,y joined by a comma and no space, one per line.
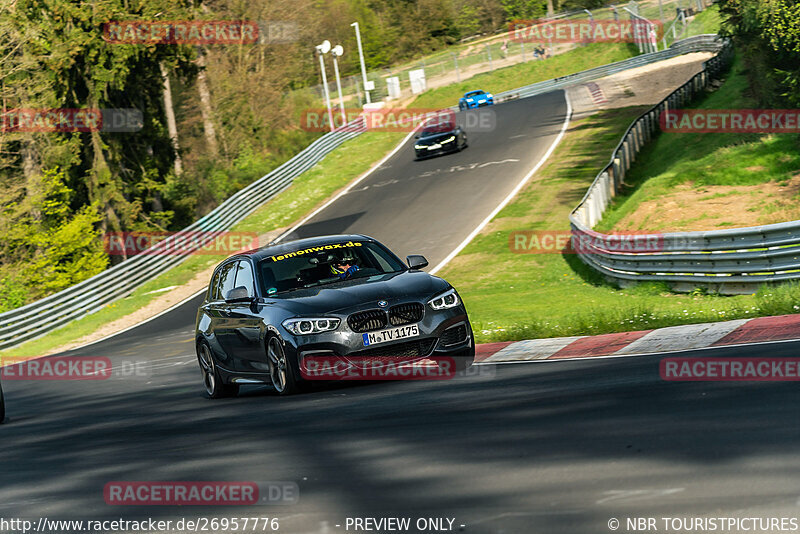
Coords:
416,136
415,261
238,294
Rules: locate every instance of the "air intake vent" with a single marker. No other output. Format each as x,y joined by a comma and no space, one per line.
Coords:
416,348
367,321
406,313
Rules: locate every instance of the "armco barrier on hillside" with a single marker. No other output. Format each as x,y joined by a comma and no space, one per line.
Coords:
54,311
729,261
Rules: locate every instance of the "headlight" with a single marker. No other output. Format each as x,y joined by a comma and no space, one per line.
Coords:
420,147
305,326
449,139
490,95
445,301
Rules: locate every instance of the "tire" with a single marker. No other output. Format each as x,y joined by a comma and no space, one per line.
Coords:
281,371
212,380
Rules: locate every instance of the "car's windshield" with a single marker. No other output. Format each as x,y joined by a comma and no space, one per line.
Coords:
438,128
474,93
324,264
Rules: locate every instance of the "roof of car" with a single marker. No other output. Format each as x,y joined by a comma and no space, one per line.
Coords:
289,246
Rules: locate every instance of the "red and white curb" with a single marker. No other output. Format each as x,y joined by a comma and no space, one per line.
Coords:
670,339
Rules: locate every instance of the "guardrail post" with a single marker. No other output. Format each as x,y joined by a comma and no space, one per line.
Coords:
640,133
612,182
619,174
609,186
626,149
591,208
623,162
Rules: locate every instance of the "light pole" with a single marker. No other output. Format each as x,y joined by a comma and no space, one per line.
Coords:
337,52
591,23
367,87
323,49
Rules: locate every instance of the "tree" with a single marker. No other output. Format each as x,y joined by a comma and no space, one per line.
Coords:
767,34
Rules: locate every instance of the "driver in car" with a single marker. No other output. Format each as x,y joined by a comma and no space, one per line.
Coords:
344,268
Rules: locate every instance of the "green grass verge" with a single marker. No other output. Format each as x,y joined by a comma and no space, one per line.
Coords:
706,159
310,189
707,21
533,71
512,296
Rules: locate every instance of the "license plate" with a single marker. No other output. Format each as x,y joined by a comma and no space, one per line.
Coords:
434,147
391,334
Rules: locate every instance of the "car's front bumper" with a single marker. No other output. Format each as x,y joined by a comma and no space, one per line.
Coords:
444,149
444,333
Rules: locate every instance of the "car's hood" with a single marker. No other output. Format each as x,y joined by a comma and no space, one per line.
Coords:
360,292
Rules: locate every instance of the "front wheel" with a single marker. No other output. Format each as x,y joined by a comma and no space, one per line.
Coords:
280,370
212,381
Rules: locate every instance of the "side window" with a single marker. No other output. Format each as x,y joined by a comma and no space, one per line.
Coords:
244,277
213,288
226,277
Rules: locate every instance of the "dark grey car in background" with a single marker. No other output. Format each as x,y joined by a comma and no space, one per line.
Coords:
439,139
268,309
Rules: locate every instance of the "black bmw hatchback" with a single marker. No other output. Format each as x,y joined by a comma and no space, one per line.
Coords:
439,139
268,310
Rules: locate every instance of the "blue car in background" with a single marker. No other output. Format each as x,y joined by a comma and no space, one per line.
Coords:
475,99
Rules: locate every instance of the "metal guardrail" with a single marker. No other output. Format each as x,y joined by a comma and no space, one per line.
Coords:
47,314
699,43
729,261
